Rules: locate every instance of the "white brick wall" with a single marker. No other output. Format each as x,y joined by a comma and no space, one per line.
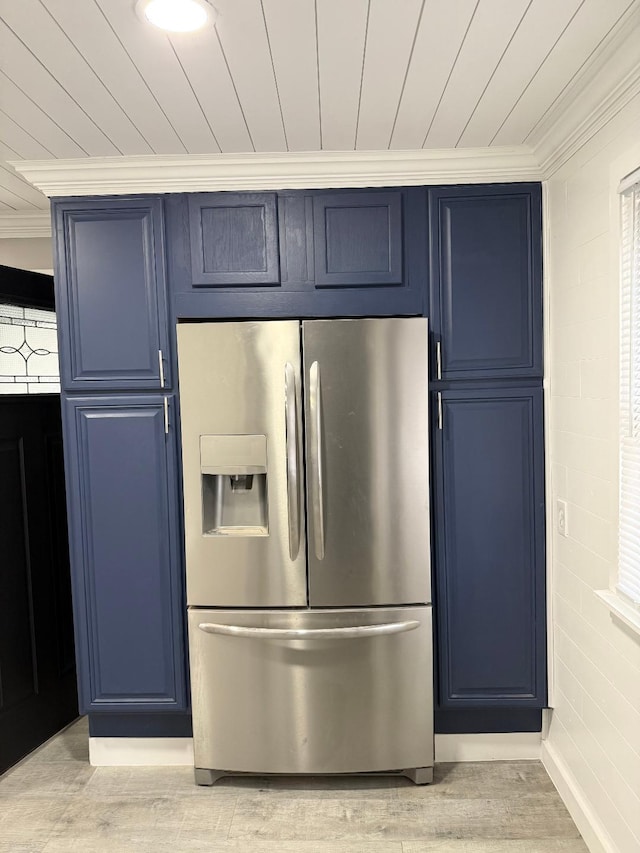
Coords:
595,726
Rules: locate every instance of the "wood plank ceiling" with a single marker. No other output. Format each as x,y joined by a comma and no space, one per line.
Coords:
87,78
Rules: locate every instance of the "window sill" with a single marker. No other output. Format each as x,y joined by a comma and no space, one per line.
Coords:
623,610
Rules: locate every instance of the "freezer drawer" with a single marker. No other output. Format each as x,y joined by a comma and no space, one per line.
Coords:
356,697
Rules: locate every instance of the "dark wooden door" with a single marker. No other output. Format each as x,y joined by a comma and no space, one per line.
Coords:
37,669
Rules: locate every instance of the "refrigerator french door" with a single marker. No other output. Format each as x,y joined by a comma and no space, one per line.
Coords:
305,460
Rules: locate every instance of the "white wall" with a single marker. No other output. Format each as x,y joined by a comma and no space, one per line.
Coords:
594,735
27,253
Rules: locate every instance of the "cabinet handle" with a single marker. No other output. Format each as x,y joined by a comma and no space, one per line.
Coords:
440,418
161,365
438,359
166,416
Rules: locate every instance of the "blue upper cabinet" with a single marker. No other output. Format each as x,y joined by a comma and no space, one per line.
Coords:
486,286
358,239
234,239
298,253
126,569
111,294
489,543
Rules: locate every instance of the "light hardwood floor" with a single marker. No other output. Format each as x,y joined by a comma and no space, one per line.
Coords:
54,802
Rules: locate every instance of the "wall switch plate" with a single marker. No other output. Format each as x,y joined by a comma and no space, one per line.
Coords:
562,521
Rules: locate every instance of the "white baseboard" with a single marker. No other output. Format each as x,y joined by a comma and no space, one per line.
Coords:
154,751
594,834
140,751
511,746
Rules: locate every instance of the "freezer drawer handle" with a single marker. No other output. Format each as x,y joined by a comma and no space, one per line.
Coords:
355,632
315,404
293,496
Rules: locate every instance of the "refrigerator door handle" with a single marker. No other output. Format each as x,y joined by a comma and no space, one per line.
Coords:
315,406
351,632
291,427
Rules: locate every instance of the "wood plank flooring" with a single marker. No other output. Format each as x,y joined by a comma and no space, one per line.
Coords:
54,802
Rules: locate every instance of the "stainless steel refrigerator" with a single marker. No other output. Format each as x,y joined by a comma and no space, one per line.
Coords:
306,494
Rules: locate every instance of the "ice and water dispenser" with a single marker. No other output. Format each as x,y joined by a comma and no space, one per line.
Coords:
234,485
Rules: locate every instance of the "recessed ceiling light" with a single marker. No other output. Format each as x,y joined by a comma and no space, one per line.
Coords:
177,16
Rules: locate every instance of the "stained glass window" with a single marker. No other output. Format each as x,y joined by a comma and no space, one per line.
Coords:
28,351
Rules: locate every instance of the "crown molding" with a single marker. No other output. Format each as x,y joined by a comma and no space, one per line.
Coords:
290,170
606,85
20,224
552,154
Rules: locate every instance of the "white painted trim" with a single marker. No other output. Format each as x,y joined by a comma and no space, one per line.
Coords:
627,612
548,404
24,225
560,145
508,746
140,751
291,170
605,86
591,828
148,752
629,181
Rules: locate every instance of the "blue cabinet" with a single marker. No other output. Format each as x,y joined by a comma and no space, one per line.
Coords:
120,464
468,257
489,541
125,558
485,295
298,254
111,294
233,239
486,281
358,239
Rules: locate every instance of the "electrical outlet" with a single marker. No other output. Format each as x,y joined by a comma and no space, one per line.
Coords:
562,520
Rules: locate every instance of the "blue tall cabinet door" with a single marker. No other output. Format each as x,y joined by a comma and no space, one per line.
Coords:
489,539
111,294
486,281
127,585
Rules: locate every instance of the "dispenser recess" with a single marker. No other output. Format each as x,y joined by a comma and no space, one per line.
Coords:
234,485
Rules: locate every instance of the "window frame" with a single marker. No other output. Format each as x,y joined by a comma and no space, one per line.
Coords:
623,606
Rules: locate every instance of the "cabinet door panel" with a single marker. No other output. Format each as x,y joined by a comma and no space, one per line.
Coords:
127,594
111,294
358,239
486,247
490,549
234,239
